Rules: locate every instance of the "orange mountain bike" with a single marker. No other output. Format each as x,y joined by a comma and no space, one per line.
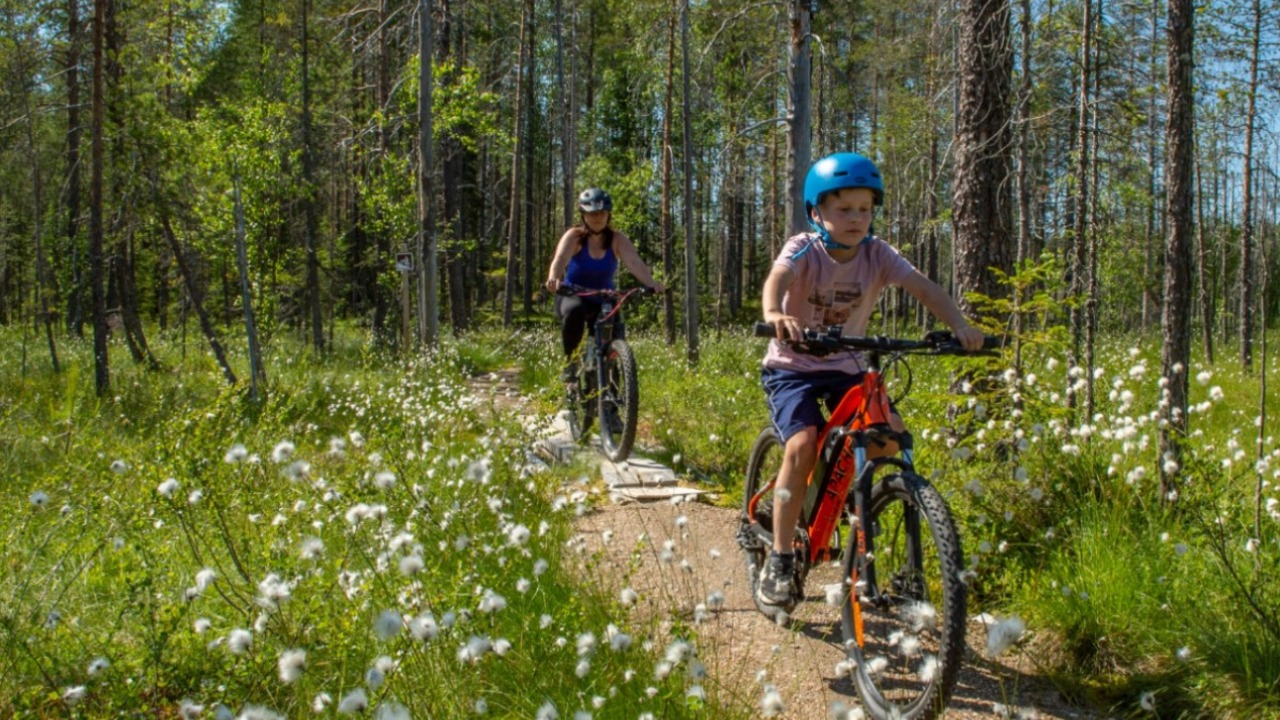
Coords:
899,582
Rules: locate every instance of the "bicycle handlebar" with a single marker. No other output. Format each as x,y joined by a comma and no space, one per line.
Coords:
570,289
939,342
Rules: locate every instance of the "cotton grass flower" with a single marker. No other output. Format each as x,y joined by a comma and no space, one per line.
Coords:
1147,701
311,549
189,710
291,664
392,710
320,702
475,649
771,704
388,624
282,452
547,712
1002,635
39,499
239,641
97,666
355,702
236,454
73,695
168,488
423,628
273,590
384,480
411,565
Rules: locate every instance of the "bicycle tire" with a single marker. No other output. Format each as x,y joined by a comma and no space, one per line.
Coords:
912,624
619,401
579,402
762,467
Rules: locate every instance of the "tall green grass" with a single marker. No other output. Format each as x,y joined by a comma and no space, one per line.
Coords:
174,544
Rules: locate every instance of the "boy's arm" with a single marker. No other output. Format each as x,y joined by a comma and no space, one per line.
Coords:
775,288
944,308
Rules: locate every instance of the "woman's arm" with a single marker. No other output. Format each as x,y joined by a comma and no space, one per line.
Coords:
564,251
631,259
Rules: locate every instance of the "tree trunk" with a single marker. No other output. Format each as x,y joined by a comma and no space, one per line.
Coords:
309,191
1179,132
1202,260
1080,230
800,114
567,129
257,371
526,282
1247,199
429,276
193,293
690,251
101,367
668,261
43,276
513,217
982,207
75,302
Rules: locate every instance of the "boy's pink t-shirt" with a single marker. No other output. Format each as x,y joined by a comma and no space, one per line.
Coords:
824,292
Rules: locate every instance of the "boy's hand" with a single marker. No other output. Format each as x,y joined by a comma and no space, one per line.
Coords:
787,326
970,337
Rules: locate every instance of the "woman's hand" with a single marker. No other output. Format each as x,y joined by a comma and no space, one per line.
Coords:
552,284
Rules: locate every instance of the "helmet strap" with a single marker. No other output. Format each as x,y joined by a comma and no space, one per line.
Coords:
823,235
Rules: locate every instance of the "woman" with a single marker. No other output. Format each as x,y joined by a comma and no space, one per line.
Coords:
587,255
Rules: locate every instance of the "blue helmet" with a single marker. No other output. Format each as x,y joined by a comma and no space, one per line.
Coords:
839,172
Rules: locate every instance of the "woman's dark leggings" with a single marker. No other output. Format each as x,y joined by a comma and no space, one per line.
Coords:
575,314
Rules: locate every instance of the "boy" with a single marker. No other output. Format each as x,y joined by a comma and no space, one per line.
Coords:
831,276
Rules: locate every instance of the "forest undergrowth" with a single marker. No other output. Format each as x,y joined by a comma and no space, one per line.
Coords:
369,541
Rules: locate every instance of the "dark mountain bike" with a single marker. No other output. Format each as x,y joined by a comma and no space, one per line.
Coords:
898,584
606,387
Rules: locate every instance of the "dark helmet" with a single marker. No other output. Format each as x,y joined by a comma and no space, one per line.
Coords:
840,171
594,200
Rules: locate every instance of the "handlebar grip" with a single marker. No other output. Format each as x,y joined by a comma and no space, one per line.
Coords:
765,330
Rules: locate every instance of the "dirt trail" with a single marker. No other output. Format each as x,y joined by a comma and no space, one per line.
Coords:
744,650
737,642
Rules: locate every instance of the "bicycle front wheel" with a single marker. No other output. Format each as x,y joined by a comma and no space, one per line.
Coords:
904,618
619,401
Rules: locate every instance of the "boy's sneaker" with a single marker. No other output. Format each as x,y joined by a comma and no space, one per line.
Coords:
570,373
775,579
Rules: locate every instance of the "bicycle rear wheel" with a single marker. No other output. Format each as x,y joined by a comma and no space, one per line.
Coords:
619,401
904,622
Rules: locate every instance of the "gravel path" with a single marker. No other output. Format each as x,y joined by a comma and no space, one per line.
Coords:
743,649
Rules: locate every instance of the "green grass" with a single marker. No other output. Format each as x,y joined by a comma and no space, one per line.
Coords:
421,502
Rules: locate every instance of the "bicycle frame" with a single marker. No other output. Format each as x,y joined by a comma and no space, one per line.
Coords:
605,322
861,417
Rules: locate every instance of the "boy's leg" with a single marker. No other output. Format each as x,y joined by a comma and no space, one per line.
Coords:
800,453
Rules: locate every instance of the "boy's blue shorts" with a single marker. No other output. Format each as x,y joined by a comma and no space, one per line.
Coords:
793,397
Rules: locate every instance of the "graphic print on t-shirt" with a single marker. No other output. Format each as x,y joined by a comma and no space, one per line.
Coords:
834,304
